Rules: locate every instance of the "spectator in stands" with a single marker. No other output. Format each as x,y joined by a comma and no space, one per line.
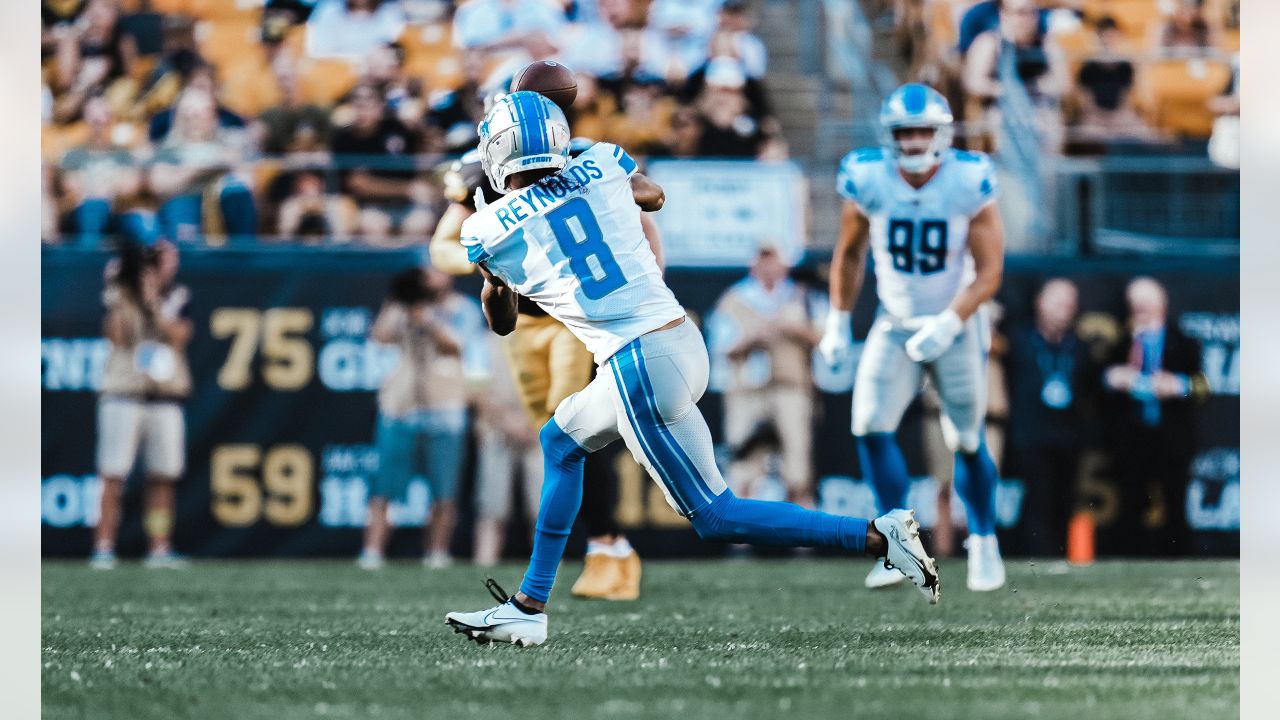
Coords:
727,128
1186,29
595,113
144,384
509,26
646,118
1106,83
311,215
1153,379
762,332
193,172
1020,49
452,119
422,415
352,28
984,17
90,55
507,450
375,154
732,37
98,177
684,28
294,125
405,95
179,60
200,79
1050,378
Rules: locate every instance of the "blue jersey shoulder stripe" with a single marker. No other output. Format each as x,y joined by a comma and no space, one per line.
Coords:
476,253
624,160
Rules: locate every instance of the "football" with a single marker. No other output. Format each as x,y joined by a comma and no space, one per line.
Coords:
549,79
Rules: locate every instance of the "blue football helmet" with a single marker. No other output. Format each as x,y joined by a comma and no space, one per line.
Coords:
522,131
917,106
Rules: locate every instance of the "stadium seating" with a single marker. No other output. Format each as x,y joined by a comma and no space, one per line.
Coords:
1174,94
1135,17
430,54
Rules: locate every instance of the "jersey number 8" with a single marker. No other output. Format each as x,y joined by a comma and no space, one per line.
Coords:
592,245
927,256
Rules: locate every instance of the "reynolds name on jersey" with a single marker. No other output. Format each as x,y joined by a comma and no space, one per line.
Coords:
573,244
918,237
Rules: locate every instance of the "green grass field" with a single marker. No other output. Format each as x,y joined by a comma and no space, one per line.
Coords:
726,640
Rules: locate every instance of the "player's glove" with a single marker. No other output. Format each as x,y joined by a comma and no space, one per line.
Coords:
837,339
933,335
480,202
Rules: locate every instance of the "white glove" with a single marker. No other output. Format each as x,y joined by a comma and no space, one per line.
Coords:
933,335
837,340
481,203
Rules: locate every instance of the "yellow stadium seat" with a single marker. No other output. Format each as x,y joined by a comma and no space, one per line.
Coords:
171,7
222,41
224,9
430,54
1231,40
1174,94
943,29
56,140
325,80
249,86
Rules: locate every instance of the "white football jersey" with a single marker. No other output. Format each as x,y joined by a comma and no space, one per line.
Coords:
919,238
573,244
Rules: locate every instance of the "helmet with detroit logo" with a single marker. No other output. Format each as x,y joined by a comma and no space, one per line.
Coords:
917,106
522,131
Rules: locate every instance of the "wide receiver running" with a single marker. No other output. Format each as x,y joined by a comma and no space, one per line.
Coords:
567,236
548,363
929,216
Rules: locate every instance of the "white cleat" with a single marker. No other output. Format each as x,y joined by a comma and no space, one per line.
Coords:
165,560
906,553
986,567
370,560
103,560
505,623
882,577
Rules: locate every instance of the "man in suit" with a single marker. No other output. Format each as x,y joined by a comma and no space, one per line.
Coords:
1153,381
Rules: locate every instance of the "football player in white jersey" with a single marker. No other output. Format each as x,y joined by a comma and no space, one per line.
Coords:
927,213
566,235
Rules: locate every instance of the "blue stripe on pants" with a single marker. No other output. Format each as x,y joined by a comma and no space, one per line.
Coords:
626,393
664,432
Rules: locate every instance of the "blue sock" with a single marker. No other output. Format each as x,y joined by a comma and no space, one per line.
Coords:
883,465
739,520
975,479
563,462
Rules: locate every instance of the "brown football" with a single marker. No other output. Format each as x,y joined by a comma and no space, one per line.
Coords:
549,79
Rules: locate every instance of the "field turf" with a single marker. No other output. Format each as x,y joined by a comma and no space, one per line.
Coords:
733,640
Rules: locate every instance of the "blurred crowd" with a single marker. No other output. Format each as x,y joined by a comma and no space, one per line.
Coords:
1094,72
1059,388
326,121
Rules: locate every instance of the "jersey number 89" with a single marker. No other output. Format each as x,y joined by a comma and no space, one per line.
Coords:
924,251
592,245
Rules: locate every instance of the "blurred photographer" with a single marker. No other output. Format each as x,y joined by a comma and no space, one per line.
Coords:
144,384
762,333
422,408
